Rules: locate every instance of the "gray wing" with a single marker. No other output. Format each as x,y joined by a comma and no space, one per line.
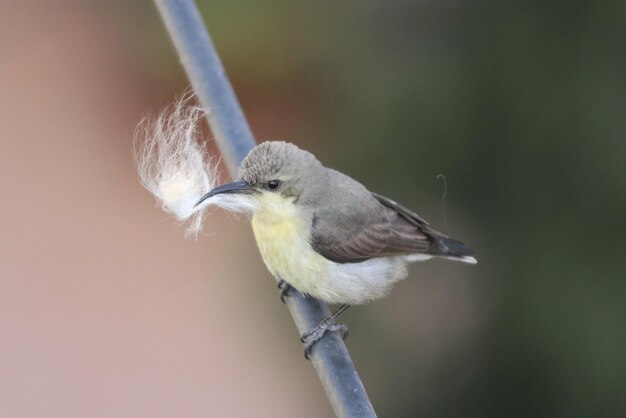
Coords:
352,226
411,234
344,241
376,226
356,225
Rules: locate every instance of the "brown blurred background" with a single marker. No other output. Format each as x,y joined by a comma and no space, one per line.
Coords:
107,310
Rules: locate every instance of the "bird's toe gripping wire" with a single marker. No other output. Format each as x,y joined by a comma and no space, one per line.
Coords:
284,290
315,334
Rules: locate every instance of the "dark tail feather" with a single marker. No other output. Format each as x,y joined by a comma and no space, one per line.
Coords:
456,250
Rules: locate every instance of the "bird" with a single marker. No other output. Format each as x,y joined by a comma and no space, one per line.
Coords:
326,235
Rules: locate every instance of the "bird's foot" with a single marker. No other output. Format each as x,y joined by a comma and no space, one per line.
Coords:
315,334
284,290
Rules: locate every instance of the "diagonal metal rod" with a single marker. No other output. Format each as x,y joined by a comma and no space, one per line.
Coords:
199,58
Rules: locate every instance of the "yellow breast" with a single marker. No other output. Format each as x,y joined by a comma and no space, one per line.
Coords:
282,236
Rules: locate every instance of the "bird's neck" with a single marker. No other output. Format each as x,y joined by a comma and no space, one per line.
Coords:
276,210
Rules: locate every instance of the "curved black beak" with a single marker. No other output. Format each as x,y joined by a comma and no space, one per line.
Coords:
238,186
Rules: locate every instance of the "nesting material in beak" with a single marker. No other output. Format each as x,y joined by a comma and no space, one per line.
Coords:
174,166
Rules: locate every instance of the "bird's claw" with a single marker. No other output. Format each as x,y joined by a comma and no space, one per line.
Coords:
315,334
284,290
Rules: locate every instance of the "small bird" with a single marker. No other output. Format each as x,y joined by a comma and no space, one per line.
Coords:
324,234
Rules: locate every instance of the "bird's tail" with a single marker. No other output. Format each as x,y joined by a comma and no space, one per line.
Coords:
456,250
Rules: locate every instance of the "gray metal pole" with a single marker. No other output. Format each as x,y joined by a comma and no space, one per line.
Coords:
329,356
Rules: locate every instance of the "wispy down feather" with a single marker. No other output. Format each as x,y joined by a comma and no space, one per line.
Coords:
174,166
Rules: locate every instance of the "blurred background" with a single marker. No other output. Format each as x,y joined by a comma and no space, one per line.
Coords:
107,310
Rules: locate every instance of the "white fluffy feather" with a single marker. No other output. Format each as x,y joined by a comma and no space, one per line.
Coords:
174,166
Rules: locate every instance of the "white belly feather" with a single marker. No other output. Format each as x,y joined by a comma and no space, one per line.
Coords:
283,239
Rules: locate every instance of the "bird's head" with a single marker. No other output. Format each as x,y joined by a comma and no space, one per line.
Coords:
275,174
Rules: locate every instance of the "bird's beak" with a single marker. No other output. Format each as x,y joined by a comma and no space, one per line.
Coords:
238,186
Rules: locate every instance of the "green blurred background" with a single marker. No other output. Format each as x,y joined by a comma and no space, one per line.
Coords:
520,104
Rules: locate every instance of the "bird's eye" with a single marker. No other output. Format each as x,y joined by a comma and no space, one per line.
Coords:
273,184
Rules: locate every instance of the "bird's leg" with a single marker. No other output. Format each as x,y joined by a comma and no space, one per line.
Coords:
315,334
284,289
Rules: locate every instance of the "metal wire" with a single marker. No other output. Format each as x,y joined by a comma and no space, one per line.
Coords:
199,58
